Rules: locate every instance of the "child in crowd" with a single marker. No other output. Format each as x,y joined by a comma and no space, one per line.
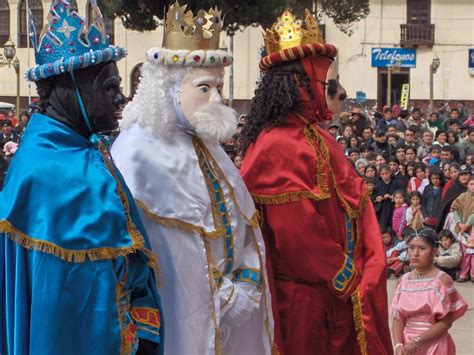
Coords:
433,157
431,198
371,182
397,257
419,181
414,214
399,213
463,214
449,254
425,303
387,238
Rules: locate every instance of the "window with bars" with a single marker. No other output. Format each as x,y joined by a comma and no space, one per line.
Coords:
109,24
36,8
418,29
4,22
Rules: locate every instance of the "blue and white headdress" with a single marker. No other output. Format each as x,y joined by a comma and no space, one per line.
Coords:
66,44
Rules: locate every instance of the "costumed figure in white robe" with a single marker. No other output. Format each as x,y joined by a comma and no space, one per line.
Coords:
196,208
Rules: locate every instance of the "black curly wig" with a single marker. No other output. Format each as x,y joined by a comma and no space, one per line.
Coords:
276,96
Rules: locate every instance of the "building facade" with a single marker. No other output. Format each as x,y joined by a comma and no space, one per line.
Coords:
414,31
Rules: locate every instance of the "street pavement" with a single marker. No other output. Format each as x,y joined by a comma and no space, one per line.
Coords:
462,330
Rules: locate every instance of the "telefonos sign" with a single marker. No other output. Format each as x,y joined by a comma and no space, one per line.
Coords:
385,57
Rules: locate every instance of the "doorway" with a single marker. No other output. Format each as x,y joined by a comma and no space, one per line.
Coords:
398,79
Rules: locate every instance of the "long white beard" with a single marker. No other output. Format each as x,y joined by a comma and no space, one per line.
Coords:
215,122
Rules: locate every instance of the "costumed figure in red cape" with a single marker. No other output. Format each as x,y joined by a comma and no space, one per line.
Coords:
325,252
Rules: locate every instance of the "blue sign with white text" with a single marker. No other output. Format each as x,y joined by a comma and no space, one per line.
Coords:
471,58
385,57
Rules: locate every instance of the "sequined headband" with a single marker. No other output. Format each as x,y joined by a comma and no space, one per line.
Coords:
426,233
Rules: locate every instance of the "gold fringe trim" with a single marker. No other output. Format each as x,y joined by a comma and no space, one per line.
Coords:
289,197
178,224
264,296
359,321
69,255
185,226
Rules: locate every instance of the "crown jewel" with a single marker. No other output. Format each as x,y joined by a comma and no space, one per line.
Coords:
289,32
66,43
184,31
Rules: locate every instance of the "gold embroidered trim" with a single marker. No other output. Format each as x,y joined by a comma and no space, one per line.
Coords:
264,296
359,321
252,221
178,224
149,331
69,255
218,336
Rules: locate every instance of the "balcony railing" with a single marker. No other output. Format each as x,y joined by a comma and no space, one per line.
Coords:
416,35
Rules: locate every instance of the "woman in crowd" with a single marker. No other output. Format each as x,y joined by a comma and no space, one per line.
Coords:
463,214
384,195
441,138
425,303
457,188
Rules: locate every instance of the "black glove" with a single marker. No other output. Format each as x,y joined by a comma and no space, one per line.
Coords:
146,347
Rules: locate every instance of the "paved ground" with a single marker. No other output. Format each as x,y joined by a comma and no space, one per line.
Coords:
462,330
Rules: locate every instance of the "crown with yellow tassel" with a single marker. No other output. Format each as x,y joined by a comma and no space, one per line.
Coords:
290,39
191,40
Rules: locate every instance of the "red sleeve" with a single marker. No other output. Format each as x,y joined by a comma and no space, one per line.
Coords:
304,246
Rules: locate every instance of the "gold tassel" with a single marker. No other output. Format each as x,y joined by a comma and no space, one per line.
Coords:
289,197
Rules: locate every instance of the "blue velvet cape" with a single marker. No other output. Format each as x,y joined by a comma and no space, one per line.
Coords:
75,266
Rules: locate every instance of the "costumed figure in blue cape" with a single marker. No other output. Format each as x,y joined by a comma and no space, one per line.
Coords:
199,215
77,274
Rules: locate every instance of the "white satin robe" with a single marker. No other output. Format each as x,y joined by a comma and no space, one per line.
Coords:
200,317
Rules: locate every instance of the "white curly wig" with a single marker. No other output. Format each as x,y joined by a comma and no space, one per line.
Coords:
153,104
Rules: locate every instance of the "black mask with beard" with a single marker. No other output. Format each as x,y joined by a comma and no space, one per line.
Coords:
99,86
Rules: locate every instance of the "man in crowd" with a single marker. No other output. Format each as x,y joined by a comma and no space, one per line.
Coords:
196,209
329,292
75,261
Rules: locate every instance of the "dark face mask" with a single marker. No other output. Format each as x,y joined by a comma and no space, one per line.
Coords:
99,87
104,106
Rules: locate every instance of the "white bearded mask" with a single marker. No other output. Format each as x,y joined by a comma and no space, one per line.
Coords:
184,98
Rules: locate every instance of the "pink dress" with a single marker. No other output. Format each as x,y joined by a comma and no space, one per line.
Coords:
420,304
399,221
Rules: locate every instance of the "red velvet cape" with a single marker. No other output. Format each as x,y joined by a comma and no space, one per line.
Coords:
307,190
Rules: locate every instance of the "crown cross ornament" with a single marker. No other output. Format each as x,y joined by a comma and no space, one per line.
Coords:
67,43
191,40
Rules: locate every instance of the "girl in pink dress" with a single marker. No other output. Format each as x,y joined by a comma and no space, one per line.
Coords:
425,303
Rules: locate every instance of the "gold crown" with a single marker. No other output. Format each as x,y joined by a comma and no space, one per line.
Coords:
185,31
289,32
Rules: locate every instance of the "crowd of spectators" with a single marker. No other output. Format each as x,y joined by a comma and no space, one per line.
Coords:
418,173
11,130
415,166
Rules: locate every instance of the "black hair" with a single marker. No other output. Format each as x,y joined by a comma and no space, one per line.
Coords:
386,230
413,194
440,131
427,234
401,192
407,231
446,233
276,96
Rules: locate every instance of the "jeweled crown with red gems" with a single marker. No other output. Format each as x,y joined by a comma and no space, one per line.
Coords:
66,43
